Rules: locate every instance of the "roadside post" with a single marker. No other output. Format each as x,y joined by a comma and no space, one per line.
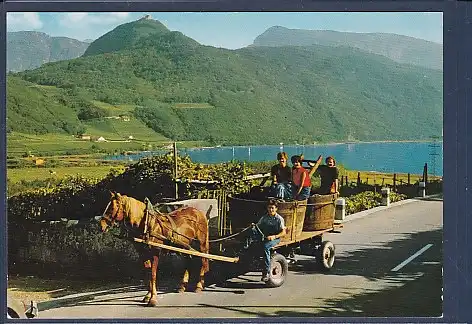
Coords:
340,213
385,196
174,146
422,189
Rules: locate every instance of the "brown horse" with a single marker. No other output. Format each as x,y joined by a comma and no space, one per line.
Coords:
186,227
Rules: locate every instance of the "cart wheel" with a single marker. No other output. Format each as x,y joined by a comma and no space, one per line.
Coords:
278,270
325,255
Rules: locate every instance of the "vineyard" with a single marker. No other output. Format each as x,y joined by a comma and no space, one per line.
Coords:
81,197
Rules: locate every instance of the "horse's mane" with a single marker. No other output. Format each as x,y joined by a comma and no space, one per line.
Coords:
132,205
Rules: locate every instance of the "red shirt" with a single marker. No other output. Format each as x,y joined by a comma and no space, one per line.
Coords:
297,177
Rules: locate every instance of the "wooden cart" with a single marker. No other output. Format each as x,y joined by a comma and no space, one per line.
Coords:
306,221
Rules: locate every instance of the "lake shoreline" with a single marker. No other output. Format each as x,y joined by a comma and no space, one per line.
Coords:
313,144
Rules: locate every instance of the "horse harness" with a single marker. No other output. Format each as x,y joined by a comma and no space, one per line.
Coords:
172,233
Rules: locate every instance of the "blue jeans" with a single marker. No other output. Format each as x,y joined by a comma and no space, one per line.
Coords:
304,193
266,246
282,190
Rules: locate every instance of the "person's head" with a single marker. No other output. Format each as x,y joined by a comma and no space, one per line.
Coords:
330,161
296,161
272,207
282,157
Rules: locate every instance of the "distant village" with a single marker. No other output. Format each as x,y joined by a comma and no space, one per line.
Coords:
87,137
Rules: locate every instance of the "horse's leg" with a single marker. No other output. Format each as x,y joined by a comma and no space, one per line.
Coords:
205,265
153,286
185,278
147,265
201,282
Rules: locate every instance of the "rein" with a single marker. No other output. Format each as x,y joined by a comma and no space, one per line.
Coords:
231,236
106,208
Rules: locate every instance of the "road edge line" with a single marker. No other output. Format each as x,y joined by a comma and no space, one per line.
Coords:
411,258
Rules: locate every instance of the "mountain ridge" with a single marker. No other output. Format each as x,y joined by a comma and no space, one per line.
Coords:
31,49
400,48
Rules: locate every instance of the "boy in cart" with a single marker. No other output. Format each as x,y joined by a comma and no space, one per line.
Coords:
268,230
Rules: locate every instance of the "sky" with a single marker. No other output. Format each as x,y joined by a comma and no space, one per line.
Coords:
232,30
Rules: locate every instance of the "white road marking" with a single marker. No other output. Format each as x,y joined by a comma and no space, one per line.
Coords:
404,263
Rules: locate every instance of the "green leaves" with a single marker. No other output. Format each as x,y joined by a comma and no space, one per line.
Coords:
367,200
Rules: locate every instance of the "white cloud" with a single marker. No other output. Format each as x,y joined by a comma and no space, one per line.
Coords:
75,17
71,18
23,21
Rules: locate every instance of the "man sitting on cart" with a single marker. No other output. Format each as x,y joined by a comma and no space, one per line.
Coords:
281,175
268,230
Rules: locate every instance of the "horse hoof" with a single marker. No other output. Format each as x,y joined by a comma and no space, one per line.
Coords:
181,290
152,303
198,290
146,299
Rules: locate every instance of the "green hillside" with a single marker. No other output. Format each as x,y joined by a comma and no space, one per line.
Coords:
252,95
37,109
113,129
41,110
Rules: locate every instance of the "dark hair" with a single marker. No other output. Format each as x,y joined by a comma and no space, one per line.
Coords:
330,158
272,202
296,158
282,154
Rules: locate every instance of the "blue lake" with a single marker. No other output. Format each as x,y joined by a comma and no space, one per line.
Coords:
399,157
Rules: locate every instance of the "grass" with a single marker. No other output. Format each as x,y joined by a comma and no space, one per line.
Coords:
30,174
193,105
32,288
384,178
114,109
61,144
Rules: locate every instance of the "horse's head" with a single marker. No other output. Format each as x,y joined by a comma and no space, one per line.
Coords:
113,213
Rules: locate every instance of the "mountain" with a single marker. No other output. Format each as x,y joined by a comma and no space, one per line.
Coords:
29,49
256,95
402,49
131,35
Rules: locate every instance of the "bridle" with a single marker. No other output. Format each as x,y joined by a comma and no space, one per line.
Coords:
111,220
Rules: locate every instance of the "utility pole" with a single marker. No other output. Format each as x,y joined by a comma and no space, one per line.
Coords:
434,148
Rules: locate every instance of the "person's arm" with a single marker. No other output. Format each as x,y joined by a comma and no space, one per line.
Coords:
336,181
260,221
314,166
274,175
274,237
301,183
282,231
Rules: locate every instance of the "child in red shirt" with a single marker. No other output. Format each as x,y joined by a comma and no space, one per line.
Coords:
301,179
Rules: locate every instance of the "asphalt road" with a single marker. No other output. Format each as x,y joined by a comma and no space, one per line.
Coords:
388,263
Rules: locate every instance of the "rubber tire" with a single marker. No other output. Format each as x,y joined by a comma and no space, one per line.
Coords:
278,270
325,255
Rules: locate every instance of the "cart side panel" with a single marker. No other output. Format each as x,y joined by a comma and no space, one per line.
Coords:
243,212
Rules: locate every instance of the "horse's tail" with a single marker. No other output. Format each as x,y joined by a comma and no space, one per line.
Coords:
206,245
